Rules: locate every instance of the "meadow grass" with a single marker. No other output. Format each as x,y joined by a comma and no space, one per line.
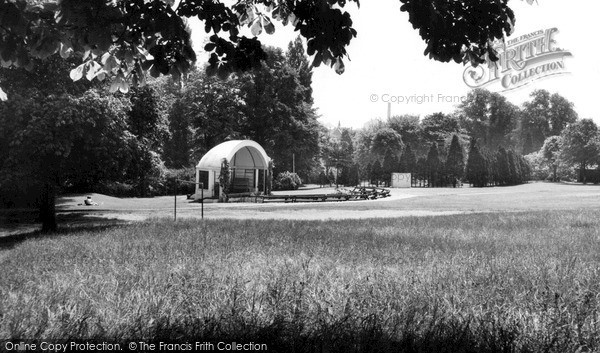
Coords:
470,283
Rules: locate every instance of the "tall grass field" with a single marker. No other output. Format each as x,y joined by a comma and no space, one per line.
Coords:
503,282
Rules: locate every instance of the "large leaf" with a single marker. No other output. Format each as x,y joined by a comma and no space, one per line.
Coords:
3,96
110,63
116,82
256,28
65,51
77,73
339,66
119,84
268,25
93,70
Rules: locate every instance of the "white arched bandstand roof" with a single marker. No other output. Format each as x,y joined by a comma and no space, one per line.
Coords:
243,154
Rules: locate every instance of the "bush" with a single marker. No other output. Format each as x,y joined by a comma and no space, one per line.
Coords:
171,176
151,181
117,189
540,170
287,181
22,193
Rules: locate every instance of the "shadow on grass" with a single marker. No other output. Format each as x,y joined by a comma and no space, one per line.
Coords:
344,335
20,226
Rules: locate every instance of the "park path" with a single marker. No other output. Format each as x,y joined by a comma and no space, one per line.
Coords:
402,203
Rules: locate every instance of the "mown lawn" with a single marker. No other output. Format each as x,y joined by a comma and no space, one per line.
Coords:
468,283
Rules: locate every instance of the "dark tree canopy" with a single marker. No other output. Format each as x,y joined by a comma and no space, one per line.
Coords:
125,39
551,153
489,117
580,144
408,161
433,165
546,115
462,31
455,162
476,170
389,165
376,175
435,127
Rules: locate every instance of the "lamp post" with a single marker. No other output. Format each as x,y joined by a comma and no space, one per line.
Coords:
201,197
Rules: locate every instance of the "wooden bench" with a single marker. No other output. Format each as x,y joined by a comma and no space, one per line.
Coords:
241,184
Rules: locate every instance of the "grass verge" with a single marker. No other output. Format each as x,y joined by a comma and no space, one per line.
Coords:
468,283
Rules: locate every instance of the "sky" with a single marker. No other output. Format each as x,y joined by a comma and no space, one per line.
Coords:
387,63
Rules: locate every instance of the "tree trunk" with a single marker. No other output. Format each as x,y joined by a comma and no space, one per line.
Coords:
555,167
48,208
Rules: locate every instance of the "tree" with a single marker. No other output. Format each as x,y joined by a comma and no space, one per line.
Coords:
455,162
125,39
338,154
580,145
147,123
528,144
347,143
66,140
389,166
335,157
70,135
147,117
213,108
278,115
503,119
366,171
551,153
410,130
145,168
385,140
489,117
331,177
516,172
476,171
562,114
434,166
536,119
374,140
539,167
178,147
525,168
422,173
436,127
353,175
376,173
297,60
545,115
489,158
408,161
363,140
474,114
504,168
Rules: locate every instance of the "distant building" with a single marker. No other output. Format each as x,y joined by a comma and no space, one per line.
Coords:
248,163
336,133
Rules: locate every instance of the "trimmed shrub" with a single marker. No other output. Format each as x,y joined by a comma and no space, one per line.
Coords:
225,176
287,181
